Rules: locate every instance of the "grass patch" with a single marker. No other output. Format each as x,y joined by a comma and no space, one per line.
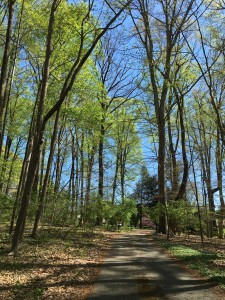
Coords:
206,263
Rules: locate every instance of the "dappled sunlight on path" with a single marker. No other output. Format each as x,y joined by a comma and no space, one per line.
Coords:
136,268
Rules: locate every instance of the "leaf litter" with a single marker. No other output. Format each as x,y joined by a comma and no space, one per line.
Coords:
58,267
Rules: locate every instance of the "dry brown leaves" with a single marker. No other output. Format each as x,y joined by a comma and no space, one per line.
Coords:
213,245
148,290
210,245
56,268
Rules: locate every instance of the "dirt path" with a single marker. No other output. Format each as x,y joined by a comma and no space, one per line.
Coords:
136,268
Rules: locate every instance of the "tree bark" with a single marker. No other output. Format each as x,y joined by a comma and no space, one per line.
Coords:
4,69
115,176
38,138
183,185
174,172
72,188
89,175
100,161
46,178
219,168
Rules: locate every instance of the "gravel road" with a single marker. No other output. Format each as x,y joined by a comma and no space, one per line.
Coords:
136,268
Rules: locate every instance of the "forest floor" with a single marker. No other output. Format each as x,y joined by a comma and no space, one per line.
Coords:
64,263
207,258
209,245
61,264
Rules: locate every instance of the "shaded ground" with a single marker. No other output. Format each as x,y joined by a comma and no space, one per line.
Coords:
64,263
209,244
60,265
136,268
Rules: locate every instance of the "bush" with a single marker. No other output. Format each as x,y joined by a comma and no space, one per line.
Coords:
111,215
180,215
6,207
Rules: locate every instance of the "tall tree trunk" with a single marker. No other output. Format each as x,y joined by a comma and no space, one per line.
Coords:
6,157
161,172
89,174
196,194
115,176
46,178
58,167
183,185
219,168
23,176
77,178
174,171
122,175
205,156
82,180
4,70
15,156
72,178
100,161
38,138
18,233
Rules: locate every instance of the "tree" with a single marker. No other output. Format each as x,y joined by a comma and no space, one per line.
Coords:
126,146
117,84
4,79
172,18
145,192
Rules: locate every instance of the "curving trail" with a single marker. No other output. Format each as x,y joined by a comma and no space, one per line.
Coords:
137,269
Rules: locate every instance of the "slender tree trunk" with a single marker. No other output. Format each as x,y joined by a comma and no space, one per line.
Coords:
6,157
122,181
58,169
82,212
204,148
89,175
12,63
15,156
58,173
42,168
23,176
123,159
196,188
172,149
197,200
38,138
183,185
4,69
219,167
72,179
161,172
115,176
26,194
100,161
77,179
46,178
